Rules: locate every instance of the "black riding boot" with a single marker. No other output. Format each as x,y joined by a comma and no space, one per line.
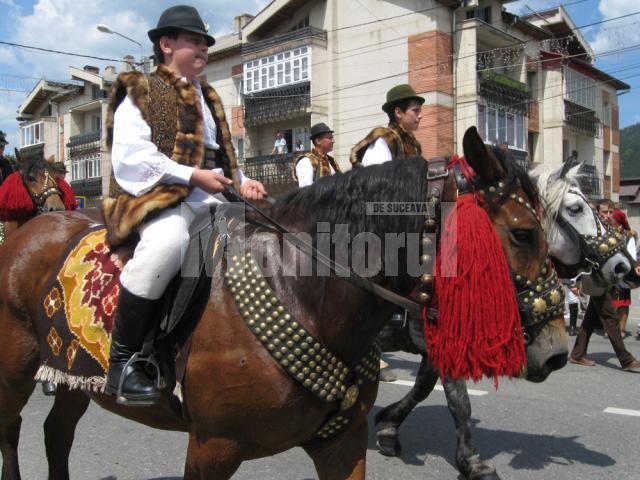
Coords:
134,318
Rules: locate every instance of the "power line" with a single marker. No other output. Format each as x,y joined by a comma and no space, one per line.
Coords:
48,50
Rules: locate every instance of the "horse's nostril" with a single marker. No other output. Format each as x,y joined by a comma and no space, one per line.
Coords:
622,268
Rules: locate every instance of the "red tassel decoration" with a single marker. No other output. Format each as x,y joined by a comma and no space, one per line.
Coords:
15,202
478,331
68,197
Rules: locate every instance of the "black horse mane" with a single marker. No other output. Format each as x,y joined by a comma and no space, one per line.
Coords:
343,198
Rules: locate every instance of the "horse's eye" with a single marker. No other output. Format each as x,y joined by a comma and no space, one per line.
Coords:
31,178
574,209
521,236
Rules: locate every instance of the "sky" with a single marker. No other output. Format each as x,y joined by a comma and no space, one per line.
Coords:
62,25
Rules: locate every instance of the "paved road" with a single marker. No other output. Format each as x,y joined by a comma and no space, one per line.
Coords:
560,430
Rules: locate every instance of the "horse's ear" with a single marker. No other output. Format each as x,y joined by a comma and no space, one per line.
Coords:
566,166
18,156
481,158
51,159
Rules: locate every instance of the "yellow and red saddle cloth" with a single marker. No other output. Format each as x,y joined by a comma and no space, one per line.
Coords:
78,310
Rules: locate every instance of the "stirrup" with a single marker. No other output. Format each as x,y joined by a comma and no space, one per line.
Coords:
138,357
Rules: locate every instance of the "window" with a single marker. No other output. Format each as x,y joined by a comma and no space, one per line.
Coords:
274,71
96,124
579,88
86,167
97,94
481,13
32,134
496,125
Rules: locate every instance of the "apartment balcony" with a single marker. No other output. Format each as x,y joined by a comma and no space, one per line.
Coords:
590,181
274,171
581,119
85,143
504,92
277,104
299,37
32,152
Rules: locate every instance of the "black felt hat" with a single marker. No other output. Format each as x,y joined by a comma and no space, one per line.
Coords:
181,17
319,129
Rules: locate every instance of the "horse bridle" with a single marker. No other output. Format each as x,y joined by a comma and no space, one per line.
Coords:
595,250
49,188
541,299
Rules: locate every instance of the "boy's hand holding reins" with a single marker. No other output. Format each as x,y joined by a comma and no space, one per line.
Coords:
209,181
213,182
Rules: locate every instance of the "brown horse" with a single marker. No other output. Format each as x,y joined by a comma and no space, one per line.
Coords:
41,185
240,403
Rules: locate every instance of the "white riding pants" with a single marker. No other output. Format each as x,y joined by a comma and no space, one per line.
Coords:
158,256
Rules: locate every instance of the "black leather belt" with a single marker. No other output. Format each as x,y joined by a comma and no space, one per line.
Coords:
210,156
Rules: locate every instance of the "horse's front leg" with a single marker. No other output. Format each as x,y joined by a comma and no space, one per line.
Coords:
211,458
469,463
60,427
342,457
389,419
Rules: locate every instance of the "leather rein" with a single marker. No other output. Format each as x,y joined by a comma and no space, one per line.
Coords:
538,301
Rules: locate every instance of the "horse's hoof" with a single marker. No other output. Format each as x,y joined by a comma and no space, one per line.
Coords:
387,375
485,476
388,443
49,389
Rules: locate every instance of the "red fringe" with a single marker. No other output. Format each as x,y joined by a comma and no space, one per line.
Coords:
68,197
15,202
478,331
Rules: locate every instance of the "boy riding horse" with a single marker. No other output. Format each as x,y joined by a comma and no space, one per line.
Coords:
171,166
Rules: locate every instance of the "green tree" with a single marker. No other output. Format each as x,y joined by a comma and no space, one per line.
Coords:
630,151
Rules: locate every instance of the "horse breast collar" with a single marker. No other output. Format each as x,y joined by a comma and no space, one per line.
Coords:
295,349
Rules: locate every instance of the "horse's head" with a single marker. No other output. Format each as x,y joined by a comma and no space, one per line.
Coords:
40,181
512,205
578,241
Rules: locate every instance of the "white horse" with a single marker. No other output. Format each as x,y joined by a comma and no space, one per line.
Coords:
579,242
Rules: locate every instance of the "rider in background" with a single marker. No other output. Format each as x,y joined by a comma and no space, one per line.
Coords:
6,167
310,166
396,141
170,166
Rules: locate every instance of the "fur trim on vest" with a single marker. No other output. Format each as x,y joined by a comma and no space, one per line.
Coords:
401,143
124,213
320,164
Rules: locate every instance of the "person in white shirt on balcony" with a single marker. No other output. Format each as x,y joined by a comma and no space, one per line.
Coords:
280,145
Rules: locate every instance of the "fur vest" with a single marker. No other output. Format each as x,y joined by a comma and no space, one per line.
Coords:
319,162
401,143
172,109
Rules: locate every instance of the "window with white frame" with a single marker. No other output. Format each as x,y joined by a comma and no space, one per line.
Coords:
579,88
496,125
32,134
86,167
277,70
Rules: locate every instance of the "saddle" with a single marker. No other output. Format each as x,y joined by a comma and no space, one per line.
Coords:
80,300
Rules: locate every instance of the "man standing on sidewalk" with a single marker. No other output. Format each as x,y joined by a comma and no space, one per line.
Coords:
602,310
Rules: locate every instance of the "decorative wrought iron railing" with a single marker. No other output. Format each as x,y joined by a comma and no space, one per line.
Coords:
581,119
590,180
504,92
277,104
81,144
303,33
274,171
32,152
520,158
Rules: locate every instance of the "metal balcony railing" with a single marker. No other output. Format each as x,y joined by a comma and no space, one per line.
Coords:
581,119
590,180
303,33
81,144
274,171
502,91
277,104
